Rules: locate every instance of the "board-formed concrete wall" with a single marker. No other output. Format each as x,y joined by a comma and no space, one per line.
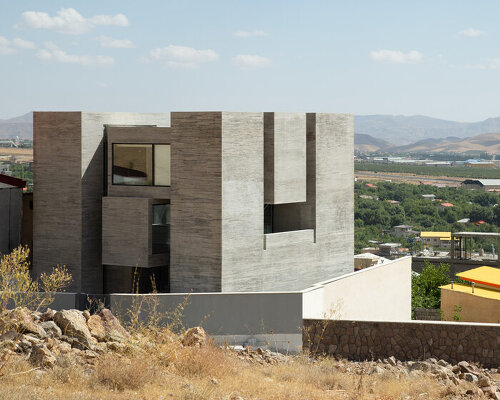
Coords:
217,199
285,158
246,266
69,174
367,340
125,230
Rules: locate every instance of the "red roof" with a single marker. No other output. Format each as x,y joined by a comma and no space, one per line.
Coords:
447,205
371,185
10,180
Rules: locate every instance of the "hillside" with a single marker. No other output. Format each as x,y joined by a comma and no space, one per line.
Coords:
489,142
367,143
156,363
402,130
21,126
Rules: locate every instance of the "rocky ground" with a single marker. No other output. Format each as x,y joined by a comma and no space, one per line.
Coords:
73,354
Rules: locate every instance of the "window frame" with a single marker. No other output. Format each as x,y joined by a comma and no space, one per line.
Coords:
153,145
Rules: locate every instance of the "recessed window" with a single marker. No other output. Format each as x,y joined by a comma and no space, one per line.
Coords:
161,228
141,164
268,218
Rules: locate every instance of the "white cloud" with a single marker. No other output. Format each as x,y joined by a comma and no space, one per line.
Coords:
395,56
23,44
471,32
109,42
246,61
493,63
183,57
10,46
68,21
54,53
246,34
5,47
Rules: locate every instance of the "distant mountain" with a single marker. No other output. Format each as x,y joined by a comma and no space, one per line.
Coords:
367,143
19,126
372,133
402,130
489,142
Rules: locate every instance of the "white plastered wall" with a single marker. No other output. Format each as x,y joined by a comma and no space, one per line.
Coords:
379,293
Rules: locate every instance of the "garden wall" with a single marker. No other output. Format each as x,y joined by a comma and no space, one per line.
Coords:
414,340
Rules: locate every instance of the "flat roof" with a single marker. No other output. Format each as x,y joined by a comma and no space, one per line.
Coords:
12,181
477,234
440,235
484,275
484,182
478,291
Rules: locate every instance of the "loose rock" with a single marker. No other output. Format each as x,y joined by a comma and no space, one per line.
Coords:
194,337
72,323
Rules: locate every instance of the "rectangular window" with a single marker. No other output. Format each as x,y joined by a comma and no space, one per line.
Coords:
141,164
161,228
132,164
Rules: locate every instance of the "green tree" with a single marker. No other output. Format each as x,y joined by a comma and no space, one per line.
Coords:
425,292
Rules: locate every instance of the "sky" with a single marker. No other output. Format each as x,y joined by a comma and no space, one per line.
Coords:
434,58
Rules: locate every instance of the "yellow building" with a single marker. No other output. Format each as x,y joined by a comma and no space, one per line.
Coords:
436,239
478,302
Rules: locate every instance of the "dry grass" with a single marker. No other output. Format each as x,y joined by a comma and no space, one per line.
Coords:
166,370
16,151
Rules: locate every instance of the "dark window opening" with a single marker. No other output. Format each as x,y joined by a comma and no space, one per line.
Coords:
288,217
268,218
161,228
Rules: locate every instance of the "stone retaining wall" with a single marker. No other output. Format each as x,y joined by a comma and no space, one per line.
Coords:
427,314
364,340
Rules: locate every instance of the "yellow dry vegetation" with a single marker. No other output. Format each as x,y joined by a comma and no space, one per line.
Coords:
166,370
13,151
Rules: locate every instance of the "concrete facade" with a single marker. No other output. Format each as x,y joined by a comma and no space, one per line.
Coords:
221,177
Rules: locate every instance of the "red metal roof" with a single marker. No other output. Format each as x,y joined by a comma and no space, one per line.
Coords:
10,180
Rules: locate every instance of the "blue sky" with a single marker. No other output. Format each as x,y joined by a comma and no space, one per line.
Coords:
435,58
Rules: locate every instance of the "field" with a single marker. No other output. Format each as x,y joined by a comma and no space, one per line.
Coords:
24,154
409,178
460,172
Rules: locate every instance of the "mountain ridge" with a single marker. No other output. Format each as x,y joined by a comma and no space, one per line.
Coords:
417,133
403,130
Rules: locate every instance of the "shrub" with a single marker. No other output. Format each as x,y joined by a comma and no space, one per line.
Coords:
425,292
120,373
18,289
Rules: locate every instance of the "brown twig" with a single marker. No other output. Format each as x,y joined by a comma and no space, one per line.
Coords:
20,373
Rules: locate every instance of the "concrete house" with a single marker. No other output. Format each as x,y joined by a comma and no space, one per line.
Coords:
198,201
